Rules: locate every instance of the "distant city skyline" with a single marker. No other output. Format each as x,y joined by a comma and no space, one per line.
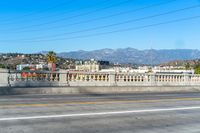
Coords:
71,25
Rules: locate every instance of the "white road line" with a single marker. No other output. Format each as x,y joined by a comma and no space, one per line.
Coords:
99,113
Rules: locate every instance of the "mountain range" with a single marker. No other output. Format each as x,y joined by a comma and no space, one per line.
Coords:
134,56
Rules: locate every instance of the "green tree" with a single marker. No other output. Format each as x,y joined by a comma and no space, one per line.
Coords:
2,66
26,68
187,66
197,69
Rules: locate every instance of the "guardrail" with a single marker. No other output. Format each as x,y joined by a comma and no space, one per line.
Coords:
69,78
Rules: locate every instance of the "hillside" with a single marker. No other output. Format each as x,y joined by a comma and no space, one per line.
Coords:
131,55
12,59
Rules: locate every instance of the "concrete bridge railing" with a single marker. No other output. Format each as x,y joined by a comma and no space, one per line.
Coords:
68,78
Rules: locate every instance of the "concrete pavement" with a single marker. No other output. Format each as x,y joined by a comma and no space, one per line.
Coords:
127,113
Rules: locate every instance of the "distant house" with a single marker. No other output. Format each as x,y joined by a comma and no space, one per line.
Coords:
21,67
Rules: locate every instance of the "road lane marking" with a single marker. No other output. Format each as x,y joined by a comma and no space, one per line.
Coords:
99,113
96,102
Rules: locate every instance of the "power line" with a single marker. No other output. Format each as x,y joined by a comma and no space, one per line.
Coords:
99,18
63,13
130,29
116,24
115,31
33,13
78,15
50,16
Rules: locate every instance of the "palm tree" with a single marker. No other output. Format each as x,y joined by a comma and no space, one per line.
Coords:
51,57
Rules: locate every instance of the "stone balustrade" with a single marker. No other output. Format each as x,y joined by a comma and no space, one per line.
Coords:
69,78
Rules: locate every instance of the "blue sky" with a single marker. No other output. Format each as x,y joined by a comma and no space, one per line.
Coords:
67,25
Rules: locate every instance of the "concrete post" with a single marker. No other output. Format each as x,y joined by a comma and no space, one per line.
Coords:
112,81
145,78
153,79
186,79
63,78
4,75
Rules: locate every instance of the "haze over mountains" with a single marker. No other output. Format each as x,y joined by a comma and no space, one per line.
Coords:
131,55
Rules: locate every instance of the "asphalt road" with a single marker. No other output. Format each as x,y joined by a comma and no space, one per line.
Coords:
114,113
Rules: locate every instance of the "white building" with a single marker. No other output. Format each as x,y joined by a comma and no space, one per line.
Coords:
31,66
22,66
171,69
90,65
